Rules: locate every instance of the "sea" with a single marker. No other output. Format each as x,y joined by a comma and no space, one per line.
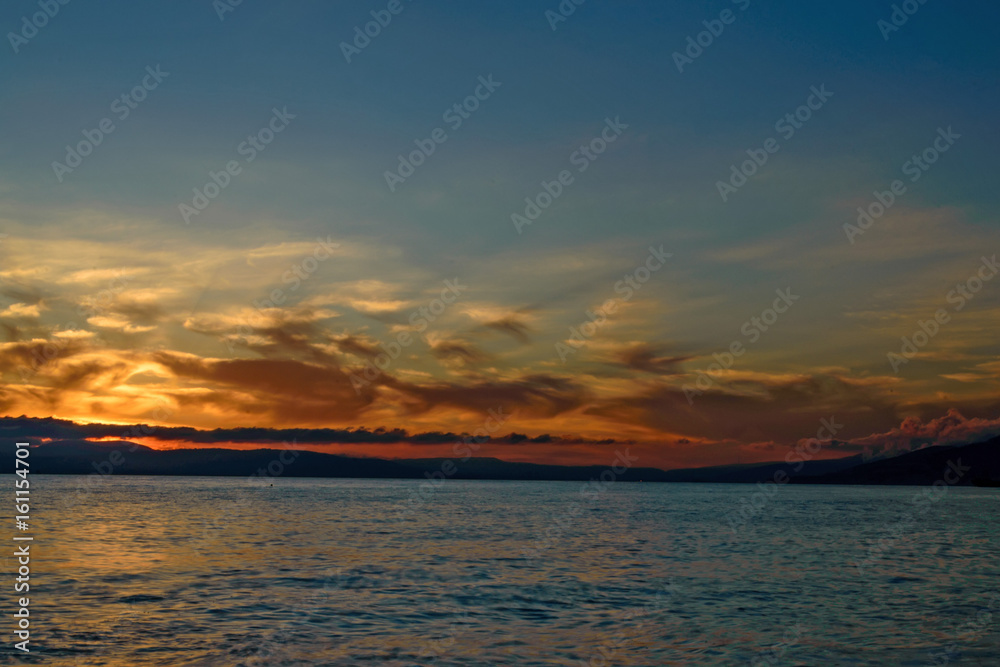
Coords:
186,571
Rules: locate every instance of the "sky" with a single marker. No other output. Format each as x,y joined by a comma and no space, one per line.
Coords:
639,227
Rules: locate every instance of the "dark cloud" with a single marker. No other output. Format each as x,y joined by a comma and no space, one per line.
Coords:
294,339
34,355
85,374
24,293
61,429
142,313
647,358
287,390
11,331
780,409
511,326
279,334
358,347
533,396
459,349
521,438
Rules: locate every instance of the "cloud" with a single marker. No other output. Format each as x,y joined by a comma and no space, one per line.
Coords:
645,357
74,333
370,297
117,322
913,433
33,355
101,276
144,307
755,407
281,390
512,326
29,294
22,310
457,349
531,396
359,346
904,233
277,333
297,250
62,429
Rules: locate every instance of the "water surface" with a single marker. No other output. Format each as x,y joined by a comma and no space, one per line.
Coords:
211,571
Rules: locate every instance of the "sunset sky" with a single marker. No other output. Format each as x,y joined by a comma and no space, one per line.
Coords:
121,305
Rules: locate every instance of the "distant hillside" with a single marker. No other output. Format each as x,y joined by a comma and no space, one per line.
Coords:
81,457
922,467
492,468
758,472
